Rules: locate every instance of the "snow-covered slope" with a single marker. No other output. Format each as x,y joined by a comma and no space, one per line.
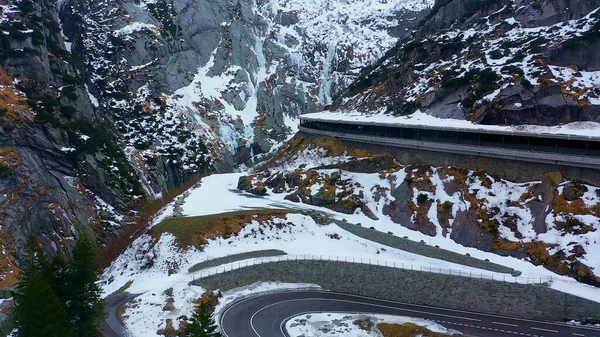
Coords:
551,222
349,325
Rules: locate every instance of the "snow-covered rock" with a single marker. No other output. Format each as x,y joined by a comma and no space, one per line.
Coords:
502,62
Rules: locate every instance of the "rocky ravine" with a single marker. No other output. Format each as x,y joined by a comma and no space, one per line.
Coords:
553,222
103,102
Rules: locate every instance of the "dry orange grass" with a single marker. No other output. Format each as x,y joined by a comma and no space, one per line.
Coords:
148,208
407,330
9,157
9,272
575,207
196,231
333,147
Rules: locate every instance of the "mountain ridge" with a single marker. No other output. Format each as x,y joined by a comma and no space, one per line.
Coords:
489,67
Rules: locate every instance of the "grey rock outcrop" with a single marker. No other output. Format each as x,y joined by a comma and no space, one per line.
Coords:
63,173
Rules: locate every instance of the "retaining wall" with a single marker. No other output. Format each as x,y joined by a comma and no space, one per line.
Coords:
422,249
452,292
235,257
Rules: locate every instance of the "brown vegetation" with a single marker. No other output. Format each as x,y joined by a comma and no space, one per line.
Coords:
482,213
9,272
148,208
9,158
196,231
407,330
333,147
575,207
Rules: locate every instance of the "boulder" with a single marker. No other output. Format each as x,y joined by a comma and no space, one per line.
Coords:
555,178
335,176
259,190
245,183
293,197
398,209
570,192
325,196
276,182
169,306
293,179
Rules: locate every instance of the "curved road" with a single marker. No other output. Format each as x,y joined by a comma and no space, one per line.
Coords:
112,325
266,315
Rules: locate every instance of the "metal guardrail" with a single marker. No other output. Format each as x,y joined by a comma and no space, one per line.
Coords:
373,262
513,130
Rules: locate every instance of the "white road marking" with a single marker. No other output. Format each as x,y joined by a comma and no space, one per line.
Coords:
384,306
504,323
534,328
346,301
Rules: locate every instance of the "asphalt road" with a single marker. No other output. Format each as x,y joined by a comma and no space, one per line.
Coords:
265,316
112,325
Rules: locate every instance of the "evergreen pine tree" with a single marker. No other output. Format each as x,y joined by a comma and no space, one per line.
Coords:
38,310
58,278
85,305
202,324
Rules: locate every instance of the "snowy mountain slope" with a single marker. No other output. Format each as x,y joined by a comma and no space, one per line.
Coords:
549,222
503,62
154,263
195,84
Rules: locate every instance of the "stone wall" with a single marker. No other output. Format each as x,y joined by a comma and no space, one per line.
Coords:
452,292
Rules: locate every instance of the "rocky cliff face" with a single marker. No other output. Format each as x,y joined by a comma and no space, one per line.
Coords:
61,170
491,62
195,84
